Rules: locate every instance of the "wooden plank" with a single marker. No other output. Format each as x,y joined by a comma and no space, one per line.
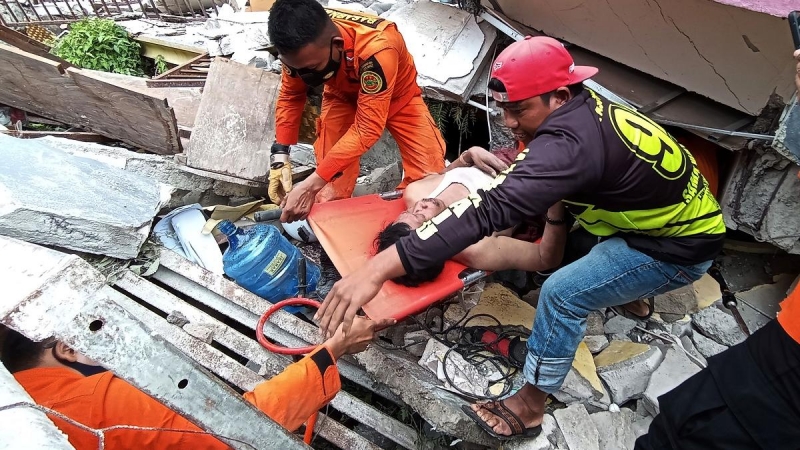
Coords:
29,45
132,117
38,85
82,136
235,124
176,69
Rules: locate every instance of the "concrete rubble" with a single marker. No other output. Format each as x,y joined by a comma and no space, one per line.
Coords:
619,325
625,367
90,206
189,186
688,299
582,384
705,346
673,370
615,429
719,326
578,428
596,344
551,438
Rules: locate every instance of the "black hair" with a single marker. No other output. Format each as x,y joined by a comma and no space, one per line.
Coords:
293,24
389,237
574,89
20,353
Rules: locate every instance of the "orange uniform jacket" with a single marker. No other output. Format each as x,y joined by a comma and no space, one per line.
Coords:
104,400
378,75
789,317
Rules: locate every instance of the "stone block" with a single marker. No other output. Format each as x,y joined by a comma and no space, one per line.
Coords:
50,197
719,326
674,370
706,346
688,299
619,325
594,324
551,438
626,368
596,344
578,428
582,384
499,302
615,429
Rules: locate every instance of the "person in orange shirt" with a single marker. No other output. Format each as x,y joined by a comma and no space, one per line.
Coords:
370,85
62,379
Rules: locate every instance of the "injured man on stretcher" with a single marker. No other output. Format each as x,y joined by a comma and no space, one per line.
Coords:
509,249
525,247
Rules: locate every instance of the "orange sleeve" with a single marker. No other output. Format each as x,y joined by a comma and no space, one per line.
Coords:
123,404
304,387
377,74
289,108
789,317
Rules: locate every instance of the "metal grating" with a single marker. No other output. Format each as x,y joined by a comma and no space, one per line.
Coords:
57,12
251,363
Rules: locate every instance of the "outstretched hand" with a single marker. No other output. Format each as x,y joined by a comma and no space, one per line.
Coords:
343,302
485,160
356,341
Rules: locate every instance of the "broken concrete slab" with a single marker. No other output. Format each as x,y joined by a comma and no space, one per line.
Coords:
688,299
674,370
189,186
578,428
719,326
626,367
416,341
450,48
705,346
582,384
596,344
615,429
551,438
619,325
760,304
763,197
379,180
687,343
641,426
500,302
89,206
682,327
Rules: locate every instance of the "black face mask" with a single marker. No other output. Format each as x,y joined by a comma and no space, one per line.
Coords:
85,369
314,78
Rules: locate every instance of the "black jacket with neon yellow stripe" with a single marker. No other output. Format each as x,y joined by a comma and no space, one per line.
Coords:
618,172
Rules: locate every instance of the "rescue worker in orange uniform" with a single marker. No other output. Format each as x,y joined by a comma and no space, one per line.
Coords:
370,85
62,379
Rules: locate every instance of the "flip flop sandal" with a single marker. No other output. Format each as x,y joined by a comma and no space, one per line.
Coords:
621,311
513,421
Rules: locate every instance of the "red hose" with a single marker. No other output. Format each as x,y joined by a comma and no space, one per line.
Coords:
298,301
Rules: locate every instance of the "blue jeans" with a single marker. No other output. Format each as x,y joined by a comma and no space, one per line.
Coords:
611,274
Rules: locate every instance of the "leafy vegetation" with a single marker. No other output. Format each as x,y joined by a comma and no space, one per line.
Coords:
100,44
161,65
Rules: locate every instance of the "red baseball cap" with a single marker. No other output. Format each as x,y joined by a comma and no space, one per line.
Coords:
534,66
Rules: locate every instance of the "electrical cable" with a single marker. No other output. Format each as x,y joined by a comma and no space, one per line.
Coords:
458,337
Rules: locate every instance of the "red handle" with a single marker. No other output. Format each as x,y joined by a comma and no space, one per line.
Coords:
277,306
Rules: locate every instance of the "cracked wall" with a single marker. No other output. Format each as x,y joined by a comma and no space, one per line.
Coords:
732,55
763,198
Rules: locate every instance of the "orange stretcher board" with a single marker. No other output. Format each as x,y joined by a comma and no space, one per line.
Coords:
347,228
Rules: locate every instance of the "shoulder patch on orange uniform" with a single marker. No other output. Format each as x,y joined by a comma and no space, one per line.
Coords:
373,81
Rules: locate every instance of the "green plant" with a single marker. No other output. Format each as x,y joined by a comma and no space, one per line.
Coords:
161,64
100,44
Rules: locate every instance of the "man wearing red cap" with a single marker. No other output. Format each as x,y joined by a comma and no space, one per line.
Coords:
620,175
